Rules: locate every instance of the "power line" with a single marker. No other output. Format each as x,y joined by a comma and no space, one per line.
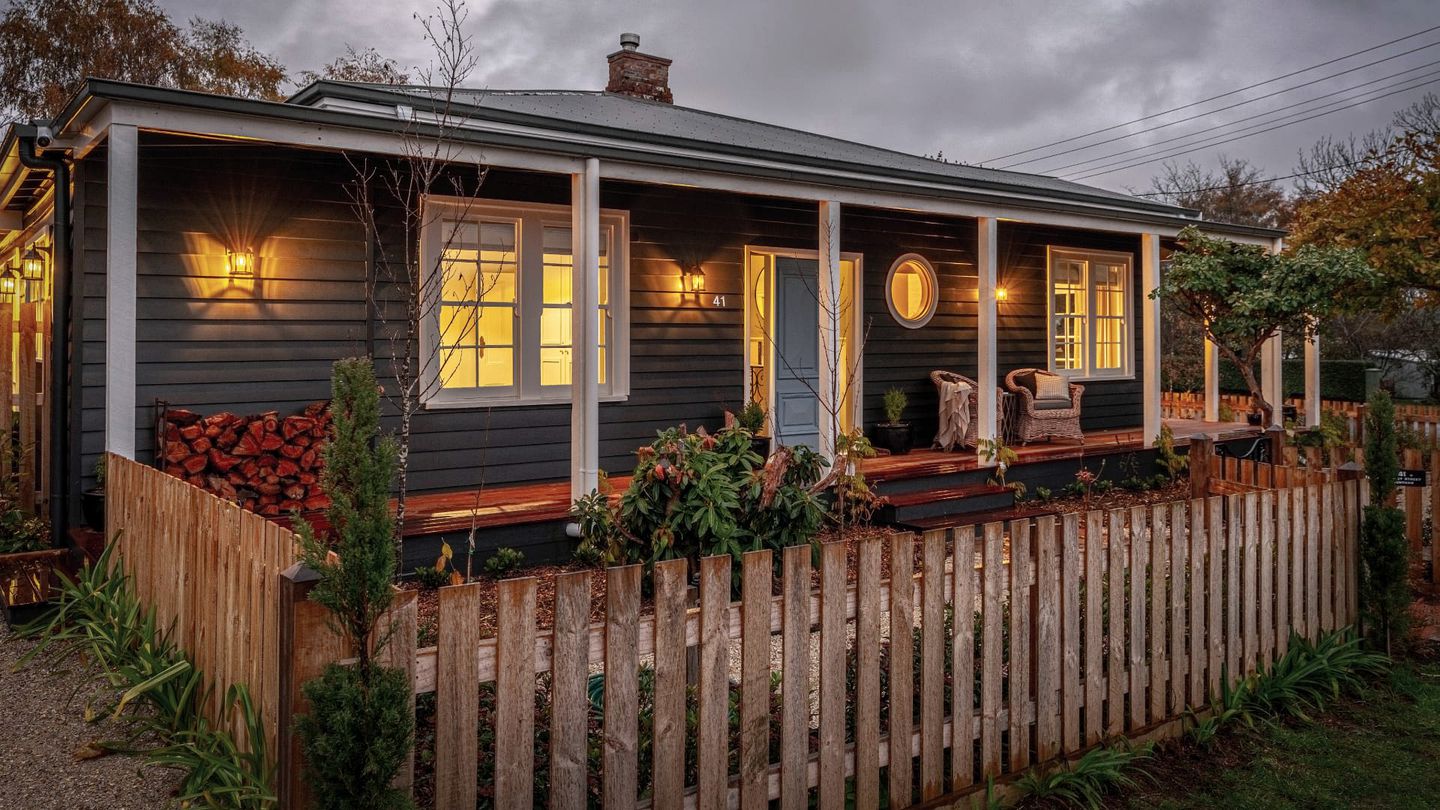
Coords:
1201,133
1213,98
1248,135
1267,180
1209,113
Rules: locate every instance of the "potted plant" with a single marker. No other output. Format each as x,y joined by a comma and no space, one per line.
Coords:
894,433
751,418
92,501
26,558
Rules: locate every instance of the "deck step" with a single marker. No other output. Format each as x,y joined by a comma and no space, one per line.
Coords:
906,508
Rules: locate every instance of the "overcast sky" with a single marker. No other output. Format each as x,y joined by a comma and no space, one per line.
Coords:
974,79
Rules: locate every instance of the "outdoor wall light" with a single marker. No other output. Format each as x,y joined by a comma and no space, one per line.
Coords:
1002,294
240,263
692,279
32,264
9,283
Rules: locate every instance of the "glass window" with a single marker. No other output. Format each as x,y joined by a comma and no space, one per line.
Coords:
502,327
1089,313
911,291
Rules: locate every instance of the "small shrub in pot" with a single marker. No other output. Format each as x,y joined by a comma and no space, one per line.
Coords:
751,418
894,433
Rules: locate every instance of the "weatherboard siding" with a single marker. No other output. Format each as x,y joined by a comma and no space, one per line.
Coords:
205,344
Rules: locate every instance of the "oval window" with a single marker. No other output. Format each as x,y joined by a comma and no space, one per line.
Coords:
911,290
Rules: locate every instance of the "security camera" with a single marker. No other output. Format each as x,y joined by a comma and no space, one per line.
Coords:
44,136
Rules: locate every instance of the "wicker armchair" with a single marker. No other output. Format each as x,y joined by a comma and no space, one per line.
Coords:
972,430
1044,423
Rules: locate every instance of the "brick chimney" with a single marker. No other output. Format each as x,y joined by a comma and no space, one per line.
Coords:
637,74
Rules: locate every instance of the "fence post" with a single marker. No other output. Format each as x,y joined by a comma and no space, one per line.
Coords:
1275,435
1202,449
306,645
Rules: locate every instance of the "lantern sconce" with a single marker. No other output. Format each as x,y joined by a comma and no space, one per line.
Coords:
9,284
692,280
240,263
1002,294
32,264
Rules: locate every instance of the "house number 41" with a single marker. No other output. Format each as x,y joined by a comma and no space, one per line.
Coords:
717,301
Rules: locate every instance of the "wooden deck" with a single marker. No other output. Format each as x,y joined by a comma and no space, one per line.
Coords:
510,505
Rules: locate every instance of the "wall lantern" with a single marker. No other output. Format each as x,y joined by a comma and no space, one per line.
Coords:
1002,294
240,263
692,279
32,264
9,283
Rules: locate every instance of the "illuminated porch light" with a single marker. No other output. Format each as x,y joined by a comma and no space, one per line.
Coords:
9,283
1002,294
692,278
32,264
240,263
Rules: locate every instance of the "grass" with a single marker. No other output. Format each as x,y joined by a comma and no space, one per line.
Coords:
1376,750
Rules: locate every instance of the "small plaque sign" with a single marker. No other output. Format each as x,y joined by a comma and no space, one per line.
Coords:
1410,478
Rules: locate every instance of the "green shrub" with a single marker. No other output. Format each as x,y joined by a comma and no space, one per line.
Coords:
588,554
895,402
1173,463
1384,553
1333,431
361,722
1085,782
21,532
356,737
751,418
431,577
697,494
504,562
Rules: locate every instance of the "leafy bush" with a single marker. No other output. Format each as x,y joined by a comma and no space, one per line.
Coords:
431,578
895,401
751,418
1333,431
504,562
361,722
356,736
588,554
99,616
1085,782
1384,553
853,502
1173,463
21,532
1044,494
696,494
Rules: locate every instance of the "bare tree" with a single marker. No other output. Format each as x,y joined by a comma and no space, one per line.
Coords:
389,197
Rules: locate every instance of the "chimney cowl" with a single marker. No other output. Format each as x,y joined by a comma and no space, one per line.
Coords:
637,74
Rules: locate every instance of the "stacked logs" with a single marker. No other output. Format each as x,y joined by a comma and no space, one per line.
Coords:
266,463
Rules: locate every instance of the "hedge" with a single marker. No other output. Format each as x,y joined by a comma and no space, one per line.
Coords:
1347,380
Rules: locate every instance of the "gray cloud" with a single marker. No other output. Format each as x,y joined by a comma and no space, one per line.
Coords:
974,79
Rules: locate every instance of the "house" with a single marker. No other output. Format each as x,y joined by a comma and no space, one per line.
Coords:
208,256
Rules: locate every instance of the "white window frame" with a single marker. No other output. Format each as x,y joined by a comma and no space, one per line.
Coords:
1127,332
932,278
530,219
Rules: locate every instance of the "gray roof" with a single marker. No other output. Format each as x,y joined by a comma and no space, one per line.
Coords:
656,119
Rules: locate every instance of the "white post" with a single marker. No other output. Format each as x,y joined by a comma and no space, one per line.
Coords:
832,376
122,180
1272,378
986,258
1212,382
584,330
1150,324
1312,376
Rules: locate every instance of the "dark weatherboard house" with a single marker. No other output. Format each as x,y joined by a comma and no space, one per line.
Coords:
204,253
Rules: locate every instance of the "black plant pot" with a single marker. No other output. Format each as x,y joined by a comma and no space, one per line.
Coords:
1254,418
894,437
92,508
761,445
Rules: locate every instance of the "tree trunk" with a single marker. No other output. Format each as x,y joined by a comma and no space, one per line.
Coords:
1246,367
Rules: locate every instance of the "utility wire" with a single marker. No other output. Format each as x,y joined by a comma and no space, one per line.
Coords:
1266,180
1215,129
1209,113
1213,98
1248,135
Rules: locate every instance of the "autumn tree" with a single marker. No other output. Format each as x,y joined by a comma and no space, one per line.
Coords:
1241,295
366,66
49,47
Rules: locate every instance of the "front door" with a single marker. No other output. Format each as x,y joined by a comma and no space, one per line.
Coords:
797,352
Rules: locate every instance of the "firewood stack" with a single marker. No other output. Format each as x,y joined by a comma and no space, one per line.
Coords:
266,463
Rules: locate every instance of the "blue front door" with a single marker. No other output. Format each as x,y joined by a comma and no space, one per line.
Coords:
797,352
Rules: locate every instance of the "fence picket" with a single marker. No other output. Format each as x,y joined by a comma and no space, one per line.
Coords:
1250,551
671,602
902,676
991,650
1115,665
1234,542
1139,561
1214,598
1070,624
754,680
515,679
1179,563
621,732
833,583
867,677
1312,561
1047,641
1094,658
932,667
1159,565
795,681
713,738
1328,534
1266,568
1283,509
1299,522
570,700
457,698
1198,537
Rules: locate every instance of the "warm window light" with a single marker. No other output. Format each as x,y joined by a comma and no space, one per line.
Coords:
32,264
693,279
240,263
1002,294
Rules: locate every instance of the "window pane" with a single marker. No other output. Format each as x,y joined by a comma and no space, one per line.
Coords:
555,326
460,269
912,292
497,368
457,368
554,366
457,326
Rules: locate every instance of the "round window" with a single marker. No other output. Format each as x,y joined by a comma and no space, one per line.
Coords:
911,290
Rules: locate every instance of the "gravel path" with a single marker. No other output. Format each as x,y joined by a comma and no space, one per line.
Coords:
44,727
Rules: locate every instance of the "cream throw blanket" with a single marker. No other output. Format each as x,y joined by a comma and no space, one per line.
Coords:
954,414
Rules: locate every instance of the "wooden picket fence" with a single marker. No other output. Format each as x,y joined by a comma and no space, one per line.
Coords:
1085,627
25,359
1422,421
211,572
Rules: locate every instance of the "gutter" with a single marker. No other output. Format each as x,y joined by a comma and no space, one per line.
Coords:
32,156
